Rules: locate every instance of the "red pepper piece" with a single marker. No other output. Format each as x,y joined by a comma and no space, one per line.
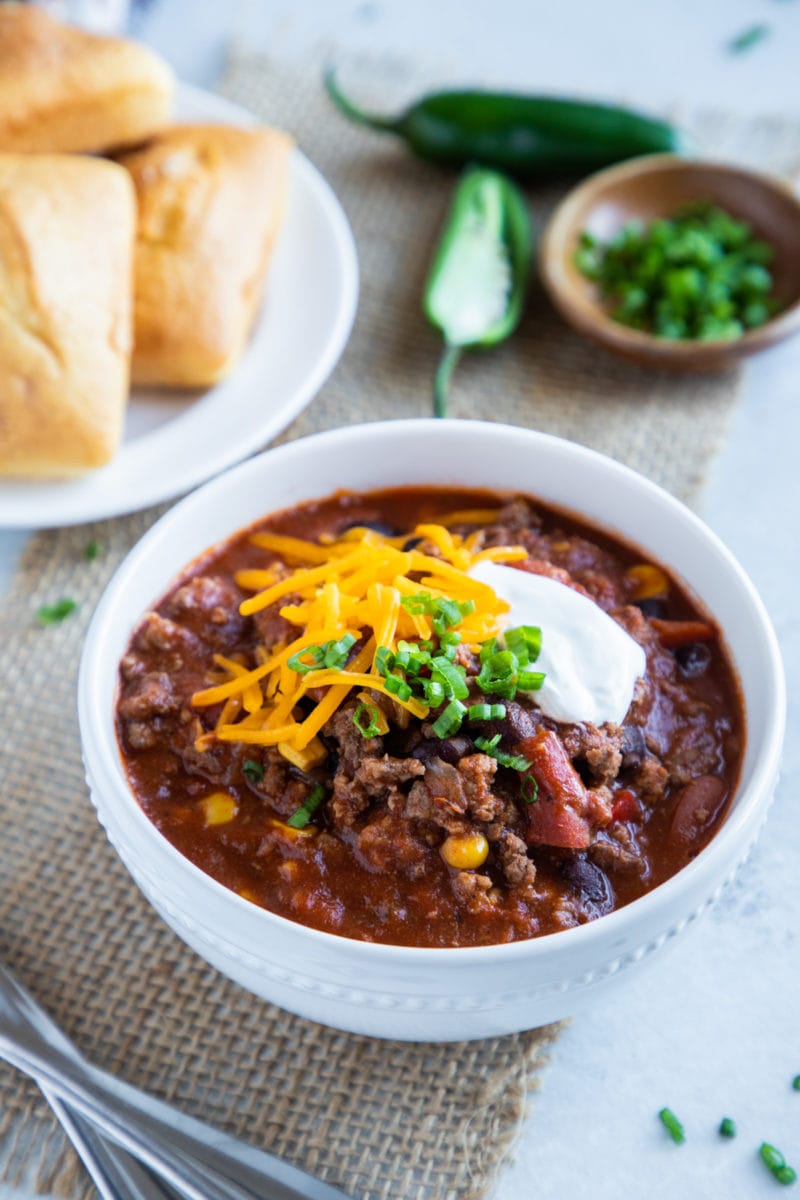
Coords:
626,806
672,634
558,817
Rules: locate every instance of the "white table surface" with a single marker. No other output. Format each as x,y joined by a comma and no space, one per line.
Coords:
712,1028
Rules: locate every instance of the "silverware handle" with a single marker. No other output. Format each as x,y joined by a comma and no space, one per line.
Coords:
116,1175
198,1160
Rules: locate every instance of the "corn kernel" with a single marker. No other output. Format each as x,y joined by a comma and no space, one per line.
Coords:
464,853
650,581
310,756
290,831
249,894
219,808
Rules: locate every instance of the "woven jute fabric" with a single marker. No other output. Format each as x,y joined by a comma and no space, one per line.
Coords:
383,1120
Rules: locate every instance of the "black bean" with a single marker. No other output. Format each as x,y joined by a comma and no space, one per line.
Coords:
633,746
693,659
593,885
412,543
376,526
652,606
450,750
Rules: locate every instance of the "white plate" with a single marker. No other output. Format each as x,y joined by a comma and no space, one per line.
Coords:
172,440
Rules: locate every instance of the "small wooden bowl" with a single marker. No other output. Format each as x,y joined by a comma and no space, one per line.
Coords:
655,186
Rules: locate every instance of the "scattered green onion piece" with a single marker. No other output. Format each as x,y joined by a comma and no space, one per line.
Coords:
530,681
397,686
796,1083
727,1127
452,678
498,675
365,719
449,720
336,652
384,659
776,1164
252,770
432,692
525,641
672,1126
53,614
446,614
92,550
486,712
748,38
515,762
401,658
448,644
296,662
421,603
488,648
302,815
529,789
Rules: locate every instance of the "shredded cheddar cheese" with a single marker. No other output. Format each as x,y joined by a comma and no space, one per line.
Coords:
360,584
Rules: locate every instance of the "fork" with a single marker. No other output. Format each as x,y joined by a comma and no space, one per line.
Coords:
201,1162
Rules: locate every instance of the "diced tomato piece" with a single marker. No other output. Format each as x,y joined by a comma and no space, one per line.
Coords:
558,817
626,806
551,824
672,634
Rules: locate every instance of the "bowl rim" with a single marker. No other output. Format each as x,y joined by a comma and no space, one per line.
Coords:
597,320
104,764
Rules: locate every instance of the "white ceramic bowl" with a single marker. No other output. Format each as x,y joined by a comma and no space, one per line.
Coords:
401,992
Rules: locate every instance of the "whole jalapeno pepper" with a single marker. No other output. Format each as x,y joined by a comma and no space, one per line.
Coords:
531,137
476,286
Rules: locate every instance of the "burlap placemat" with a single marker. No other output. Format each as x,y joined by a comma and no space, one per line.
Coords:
386,1121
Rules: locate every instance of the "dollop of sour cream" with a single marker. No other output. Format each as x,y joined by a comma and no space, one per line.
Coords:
591,664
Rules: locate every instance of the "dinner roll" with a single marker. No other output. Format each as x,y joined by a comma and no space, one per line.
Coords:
211,201
64,90
67,226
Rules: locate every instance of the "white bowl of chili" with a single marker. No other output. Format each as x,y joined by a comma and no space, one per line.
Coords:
426,991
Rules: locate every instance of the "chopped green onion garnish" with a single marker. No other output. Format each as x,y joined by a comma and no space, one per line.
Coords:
418,604
365,719
302,815
525,641
336,652
486,712
252,770
52,614
672,1126
498,675
298,662
530,681
516,762
727,1128
449,720
448,644
488,648
446,614
452,678
432,691
796,1083
92,550
397,686
529,789
748,38
332,655
384,659
776,1164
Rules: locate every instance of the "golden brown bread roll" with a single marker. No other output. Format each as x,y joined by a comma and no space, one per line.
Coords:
64,90
67,226
211,201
